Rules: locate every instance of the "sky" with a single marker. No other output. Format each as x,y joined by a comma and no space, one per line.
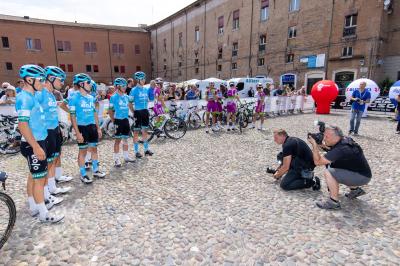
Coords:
114,12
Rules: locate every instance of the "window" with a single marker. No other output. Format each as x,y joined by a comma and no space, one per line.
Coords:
116,69
122,69
221,25
138,68
95,68
235,48
264,10
88,68
9,66
220,52
63,46
90,47
347,51
197,34
196,61
37,44
350,25
260,61
62,66
121,49
219,68
196,70
234,66
263,40
179,64
137,47
165,60
180,42
60,46
29,43
236,19
165,45
290,58
67,46
5,42
115,48
292,32
294,5
70,68
165,67
33,44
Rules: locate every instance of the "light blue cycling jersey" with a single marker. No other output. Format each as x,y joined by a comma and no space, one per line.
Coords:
120,105
83,108
49,105
141,97
29,110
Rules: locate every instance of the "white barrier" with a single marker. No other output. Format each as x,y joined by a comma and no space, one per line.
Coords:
273,105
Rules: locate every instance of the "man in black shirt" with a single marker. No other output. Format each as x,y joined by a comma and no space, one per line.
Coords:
129,86
346,164
297,163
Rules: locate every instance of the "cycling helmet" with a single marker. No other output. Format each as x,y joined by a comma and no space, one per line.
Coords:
55,72
94,86
32,71
231,84
120,82
81,77
259,85
159,80
139,75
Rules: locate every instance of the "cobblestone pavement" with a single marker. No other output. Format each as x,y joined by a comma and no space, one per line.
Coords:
206,199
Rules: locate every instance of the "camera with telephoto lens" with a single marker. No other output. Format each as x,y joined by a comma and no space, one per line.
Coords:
279,159
318,137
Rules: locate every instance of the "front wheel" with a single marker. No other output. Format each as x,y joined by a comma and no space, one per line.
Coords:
8,215
194,121
110,128
175,128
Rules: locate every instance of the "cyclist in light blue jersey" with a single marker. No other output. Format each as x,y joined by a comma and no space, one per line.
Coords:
33,128
55,78
141,97
93,92
85,122
119,114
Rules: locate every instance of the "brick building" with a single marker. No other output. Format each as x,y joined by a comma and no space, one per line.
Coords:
295,42
104,52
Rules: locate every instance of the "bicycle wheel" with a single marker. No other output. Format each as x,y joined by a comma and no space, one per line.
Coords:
64,132
175,128
194,121
8,214
110,128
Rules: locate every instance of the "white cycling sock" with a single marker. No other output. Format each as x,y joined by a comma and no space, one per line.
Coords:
52,184
42,210
32,204
88,156
46,192
126,154
58,171
116,156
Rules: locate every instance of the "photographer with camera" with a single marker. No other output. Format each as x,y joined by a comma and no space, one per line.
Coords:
358,99
296,163
346,164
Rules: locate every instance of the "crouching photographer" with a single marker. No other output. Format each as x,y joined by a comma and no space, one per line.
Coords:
346,164
297,166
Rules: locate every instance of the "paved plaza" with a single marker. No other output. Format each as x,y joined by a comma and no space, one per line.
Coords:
206,200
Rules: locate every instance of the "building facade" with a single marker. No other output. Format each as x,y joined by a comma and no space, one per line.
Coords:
104,52
295,42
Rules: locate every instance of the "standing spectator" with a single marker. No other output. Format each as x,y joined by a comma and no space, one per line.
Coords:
129,86
398,114
110,92
9,96
4,86
251,92
192,93
20,84
359,98
267,90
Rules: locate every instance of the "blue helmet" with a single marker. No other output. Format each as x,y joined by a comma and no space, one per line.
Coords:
81,77
94,86
139,75
55,72
32,71
120,82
